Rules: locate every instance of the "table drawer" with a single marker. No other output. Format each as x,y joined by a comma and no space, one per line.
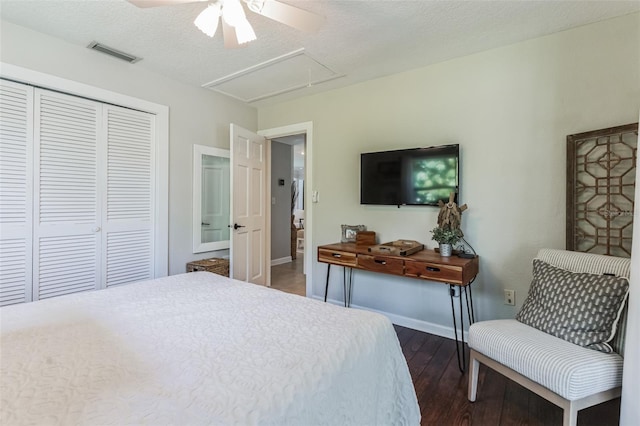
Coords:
337,257
434,271
381,264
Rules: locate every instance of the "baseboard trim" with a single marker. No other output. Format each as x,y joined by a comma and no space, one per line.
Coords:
282,260
415,324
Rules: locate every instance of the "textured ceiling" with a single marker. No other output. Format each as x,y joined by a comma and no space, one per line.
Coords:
360,40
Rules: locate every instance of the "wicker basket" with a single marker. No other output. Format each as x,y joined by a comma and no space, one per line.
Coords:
215,265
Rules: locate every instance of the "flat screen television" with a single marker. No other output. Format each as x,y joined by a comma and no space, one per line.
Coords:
413,177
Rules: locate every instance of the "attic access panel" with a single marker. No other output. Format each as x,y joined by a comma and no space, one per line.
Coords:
601,171
286,73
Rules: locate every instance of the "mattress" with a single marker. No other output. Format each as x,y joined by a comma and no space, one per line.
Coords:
200,348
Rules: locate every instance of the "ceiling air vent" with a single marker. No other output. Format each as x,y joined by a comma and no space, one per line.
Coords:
113,52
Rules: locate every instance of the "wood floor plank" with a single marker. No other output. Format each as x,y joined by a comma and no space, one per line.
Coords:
404,335
414,345
452,388
515,411
543,412
487,409
605,414
421,359
427,383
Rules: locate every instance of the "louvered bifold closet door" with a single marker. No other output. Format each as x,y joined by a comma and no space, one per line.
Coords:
67,234
16,191
128,194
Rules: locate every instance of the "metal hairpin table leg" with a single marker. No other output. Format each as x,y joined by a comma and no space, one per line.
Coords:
459,343
344,284
452,292
326,286
350,287
460,351
347,285
473,315
464,362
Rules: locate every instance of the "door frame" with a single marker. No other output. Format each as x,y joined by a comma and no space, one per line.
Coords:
278,132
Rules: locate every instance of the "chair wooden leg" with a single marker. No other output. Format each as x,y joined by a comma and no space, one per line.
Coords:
474,365
570,415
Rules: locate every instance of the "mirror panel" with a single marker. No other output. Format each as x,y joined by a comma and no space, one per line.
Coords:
211,189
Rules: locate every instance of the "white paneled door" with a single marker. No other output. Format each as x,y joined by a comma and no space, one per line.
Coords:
76,194
248,177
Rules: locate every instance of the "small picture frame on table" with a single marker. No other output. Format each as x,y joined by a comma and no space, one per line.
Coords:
349,232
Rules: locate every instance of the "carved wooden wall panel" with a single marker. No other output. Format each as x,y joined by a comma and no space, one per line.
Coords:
600,190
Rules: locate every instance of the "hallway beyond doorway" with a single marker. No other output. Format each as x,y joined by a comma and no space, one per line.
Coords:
288,277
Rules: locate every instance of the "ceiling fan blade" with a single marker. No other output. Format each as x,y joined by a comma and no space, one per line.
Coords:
230,38
156,3
288,15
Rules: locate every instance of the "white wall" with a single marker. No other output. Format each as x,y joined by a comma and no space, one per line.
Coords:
196,116
510,109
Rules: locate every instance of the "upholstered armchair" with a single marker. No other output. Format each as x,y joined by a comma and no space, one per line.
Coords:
566,343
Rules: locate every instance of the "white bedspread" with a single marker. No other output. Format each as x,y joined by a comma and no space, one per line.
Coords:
200,349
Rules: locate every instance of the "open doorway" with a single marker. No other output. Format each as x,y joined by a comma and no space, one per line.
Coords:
288,213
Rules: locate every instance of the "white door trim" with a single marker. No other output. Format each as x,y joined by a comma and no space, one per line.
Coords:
296,129
46,81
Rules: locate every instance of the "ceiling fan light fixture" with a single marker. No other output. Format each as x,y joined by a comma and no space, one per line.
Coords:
255,5
207,20
233,13
244,32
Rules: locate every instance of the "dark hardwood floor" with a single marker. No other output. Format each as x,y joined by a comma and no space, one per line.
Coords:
442,391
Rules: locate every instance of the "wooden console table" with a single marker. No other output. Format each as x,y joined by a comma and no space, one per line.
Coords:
425,265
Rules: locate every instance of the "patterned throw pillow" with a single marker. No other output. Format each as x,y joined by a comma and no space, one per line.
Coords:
578,307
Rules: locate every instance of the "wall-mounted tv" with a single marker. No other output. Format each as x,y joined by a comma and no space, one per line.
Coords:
420,176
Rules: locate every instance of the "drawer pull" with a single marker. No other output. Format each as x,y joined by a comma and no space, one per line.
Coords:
382,262
432,269
336,255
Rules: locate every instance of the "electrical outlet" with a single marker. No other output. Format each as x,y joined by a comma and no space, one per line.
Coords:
510,297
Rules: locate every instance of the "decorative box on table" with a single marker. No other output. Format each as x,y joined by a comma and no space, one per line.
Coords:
398,248
215,265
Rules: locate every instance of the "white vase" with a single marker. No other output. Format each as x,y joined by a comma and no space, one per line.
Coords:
445,249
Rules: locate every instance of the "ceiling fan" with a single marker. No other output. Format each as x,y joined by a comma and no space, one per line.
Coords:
236,28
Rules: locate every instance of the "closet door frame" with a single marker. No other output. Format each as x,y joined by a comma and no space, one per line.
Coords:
161,166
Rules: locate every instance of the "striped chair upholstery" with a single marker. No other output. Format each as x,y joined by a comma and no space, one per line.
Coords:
568,375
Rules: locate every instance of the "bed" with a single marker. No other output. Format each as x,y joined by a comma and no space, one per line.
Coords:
200,348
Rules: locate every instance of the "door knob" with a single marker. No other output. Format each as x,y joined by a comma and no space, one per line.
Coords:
96,229
236,226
